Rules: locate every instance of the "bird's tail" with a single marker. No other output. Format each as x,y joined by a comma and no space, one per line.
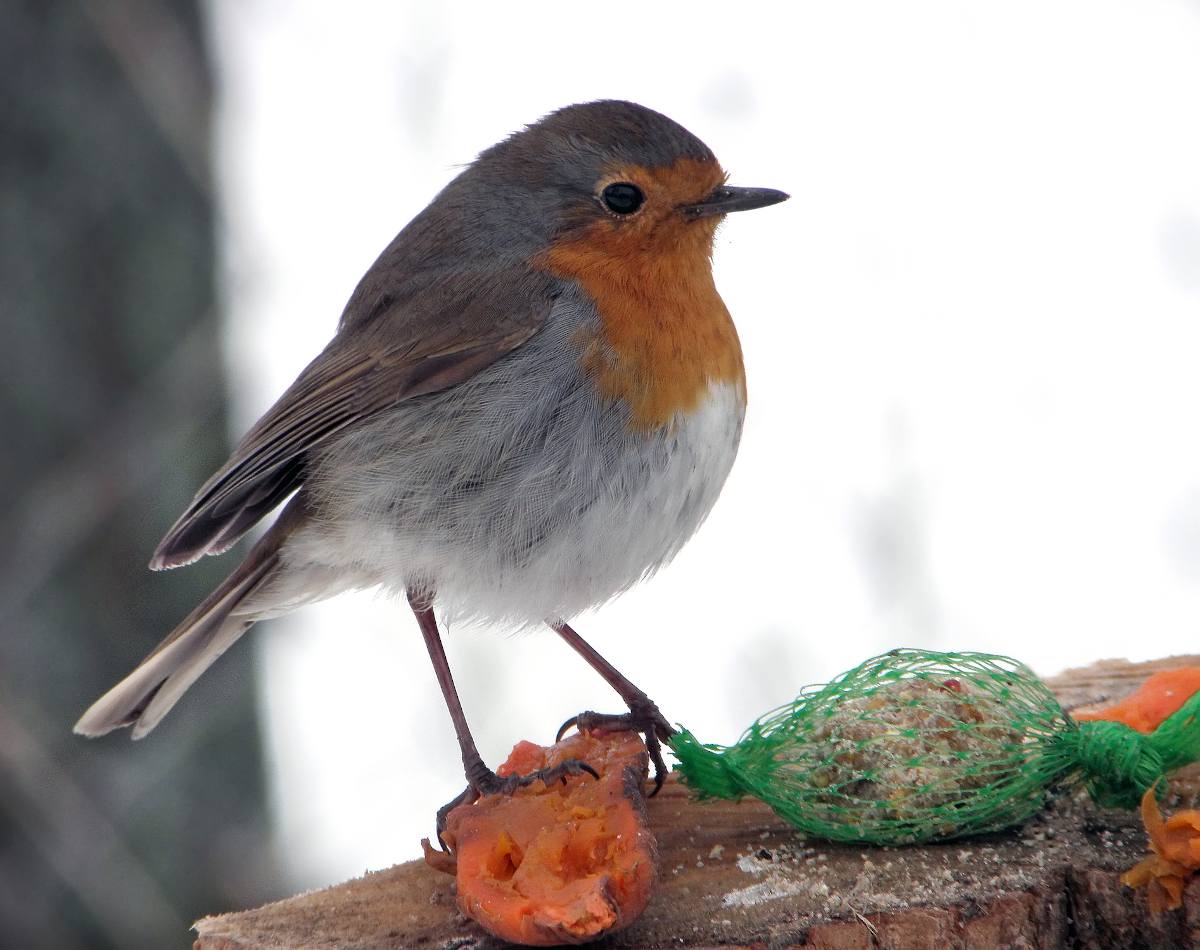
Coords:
147,694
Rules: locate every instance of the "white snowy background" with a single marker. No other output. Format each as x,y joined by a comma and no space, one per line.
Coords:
972,340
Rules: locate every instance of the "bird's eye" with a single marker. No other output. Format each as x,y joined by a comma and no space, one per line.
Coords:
622,197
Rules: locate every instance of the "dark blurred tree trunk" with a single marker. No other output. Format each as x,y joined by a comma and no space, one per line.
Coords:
111,414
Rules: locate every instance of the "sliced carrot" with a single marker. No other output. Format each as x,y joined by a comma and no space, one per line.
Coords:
561,864
1158,697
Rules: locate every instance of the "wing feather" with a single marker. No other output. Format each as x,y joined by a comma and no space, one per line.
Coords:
436,336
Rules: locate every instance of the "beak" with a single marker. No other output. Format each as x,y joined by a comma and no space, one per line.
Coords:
726,198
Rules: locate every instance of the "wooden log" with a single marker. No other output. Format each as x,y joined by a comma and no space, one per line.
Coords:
732,874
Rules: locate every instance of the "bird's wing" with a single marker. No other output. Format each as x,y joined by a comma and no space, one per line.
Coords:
387,349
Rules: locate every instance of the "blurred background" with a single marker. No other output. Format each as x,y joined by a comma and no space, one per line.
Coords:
971,337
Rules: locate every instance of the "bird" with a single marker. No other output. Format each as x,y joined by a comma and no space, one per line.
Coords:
532,400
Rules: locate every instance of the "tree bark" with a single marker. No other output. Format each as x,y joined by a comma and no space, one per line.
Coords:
734,874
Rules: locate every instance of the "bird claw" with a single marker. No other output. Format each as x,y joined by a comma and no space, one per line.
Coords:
507,784
487,782
465,797
643,717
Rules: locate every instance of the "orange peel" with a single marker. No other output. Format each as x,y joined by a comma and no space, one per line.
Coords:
1175,843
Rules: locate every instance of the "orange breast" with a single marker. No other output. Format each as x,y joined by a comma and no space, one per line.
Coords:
665,335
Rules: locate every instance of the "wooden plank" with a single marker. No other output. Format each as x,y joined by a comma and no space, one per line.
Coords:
732,874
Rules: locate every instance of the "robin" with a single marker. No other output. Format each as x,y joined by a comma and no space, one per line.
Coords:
532,400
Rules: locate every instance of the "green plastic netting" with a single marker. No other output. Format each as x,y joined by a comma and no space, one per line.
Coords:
915,746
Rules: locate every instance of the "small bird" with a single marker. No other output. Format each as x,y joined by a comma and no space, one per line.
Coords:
532,400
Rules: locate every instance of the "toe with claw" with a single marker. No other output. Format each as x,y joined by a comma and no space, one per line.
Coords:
644,717
486,782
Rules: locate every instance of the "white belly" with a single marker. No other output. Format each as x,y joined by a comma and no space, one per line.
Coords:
663,490
584,517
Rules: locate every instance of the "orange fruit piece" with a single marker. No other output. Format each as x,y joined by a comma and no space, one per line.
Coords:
1161,695
561,864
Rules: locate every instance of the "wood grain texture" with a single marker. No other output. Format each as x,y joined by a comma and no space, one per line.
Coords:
732,874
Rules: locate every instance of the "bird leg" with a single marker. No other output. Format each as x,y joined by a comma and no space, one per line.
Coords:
481,780
643,715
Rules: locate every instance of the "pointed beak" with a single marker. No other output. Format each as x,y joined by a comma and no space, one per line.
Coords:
726,198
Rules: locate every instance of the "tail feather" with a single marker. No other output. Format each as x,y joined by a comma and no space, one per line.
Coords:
147,694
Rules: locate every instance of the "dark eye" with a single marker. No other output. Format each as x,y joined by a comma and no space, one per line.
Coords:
622,197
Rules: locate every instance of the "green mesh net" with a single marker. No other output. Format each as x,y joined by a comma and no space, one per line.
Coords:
915,746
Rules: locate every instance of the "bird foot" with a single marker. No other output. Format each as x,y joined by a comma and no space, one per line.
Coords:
486,782
643,717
